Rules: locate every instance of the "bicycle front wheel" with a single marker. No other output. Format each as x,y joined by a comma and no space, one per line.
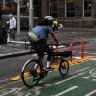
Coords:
30,73
64,67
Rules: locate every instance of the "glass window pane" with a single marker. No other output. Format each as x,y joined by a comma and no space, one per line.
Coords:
70,9
87,8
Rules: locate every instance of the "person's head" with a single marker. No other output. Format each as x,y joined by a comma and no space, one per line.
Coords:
10,15
45,22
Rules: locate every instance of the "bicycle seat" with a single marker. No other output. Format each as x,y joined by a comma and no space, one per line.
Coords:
64,54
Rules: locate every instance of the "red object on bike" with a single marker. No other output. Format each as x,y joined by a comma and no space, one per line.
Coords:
82,48
71,48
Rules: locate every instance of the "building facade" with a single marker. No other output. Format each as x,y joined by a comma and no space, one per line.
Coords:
71,13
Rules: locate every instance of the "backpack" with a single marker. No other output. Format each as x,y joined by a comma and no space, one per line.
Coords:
33,36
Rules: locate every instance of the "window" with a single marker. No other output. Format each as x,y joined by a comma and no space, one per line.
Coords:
70,9
87,8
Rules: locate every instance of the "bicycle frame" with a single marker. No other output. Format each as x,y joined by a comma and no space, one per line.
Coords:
37,76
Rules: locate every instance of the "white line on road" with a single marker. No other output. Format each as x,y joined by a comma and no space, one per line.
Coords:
73,76
92,92
70,78
22,42
93,59
19,42
74,87
88,52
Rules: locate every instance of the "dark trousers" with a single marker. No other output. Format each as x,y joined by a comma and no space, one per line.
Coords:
12,33
55,28
40,47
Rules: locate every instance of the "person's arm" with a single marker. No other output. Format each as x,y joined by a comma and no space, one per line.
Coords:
53,36
14,23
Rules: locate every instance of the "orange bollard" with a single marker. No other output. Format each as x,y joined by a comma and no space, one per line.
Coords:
82,48
71,48
57,58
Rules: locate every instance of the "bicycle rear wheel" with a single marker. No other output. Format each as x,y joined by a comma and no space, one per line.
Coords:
29,76
64,67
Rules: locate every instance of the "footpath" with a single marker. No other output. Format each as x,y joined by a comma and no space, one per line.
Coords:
14,48
65,35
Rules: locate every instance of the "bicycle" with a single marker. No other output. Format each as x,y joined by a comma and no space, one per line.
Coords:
31,78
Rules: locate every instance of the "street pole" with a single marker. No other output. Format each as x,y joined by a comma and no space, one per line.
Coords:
30,14
49,9
4,3
65,9
18,17
83,8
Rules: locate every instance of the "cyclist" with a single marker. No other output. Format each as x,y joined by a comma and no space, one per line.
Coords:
55,25
43,29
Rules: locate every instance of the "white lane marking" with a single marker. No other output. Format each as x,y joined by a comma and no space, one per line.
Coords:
93,59
73,76
78,57
18,42
92,74
66,80
61,46
69,78
71,88
88,53
92,92
93,53
22,42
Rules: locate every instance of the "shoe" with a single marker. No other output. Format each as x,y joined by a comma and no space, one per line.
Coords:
49,69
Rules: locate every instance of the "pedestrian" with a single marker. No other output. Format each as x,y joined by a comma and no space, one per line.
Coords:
42,30
12,27
3,35
55,25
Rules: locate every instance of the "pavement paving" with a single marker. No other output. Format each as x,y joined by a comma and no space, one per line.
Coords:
14,48
65,35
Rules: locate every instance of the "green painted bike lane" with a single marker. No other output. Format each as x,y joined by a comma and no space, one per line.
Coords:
81,81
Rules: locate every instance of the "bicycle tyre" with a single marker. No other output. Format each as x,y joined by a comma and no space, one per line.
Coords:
64,67
26,74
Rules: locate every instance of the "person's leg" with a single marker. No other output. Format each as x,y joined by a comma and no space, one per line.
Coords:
48,50
13,33
40,54
56,27
9,34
